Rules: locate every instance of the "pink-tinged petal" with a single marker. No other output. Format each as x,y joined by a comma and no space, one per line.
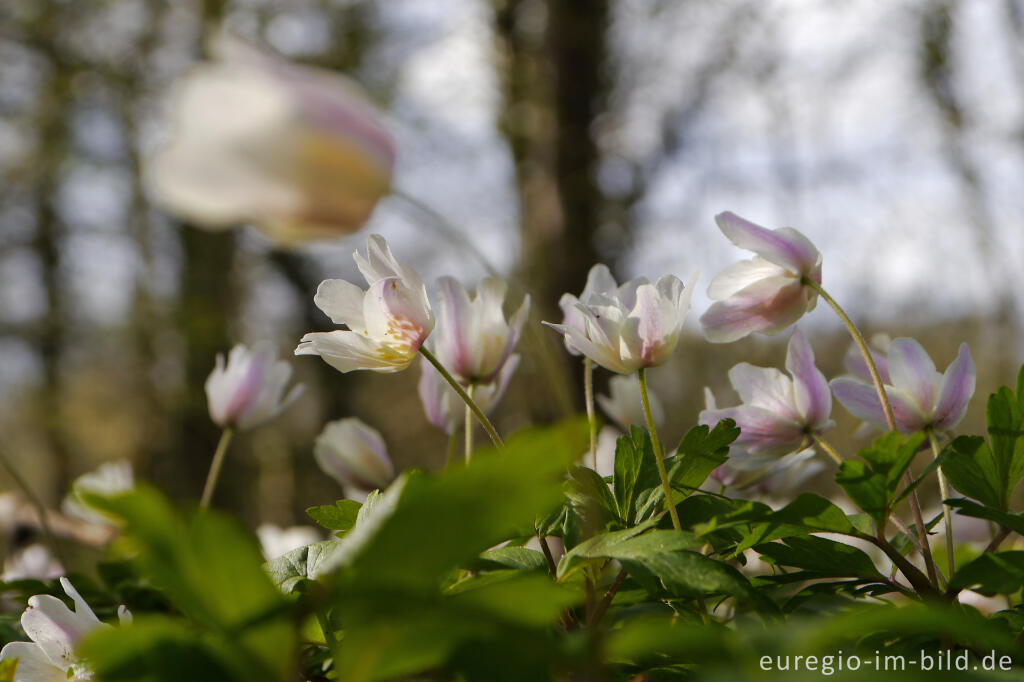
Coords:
739,276
488,396
33,664
658,324
56,628
785,246
956,390
602,354
811,394
768,306
452,342
857,366
342,302
913,372
431,392
860,399
347,351
765,433
764,387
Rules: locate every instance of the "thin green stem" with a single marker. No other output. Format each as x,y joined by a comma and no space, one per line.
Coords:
659,454
215,466
36,503
588,394
858,338
469,426
827,447
477,412
947,514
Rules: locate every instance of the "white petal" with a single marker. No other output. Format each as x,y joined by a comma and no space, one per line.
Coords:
342,302
347,351
33,664
739,276
914,373
764,387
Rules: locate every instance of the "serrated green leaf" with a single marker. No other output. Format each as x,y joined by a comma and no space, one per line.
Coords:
290,570
340,516
635,471
971,469
992,574
808,513
701,451
519,558
872,481
590,498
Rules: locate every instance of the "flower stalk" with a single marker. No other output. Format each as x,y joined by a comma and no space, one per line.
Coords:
36,503
828,448
215,467
659,453
469,425
472,406
947,515
588,393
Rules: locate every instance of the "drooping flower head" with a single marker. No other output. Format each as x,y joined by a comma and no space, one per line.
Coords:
778,412
473,339
599,281
920,397
249,389
445,409
299,151
387,323
633,327
624,404
766,293
354,454
55,631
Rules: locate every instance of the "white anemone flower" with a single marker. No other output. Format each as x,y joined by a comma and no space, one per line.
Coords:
248,390
624,404
108,479
599,281
55,631
473,339
635,327
443,406
387,323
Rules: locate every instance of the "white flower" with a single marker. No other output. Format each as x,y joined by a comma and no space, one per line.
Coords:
354,454
445,409
625,405
275,541
387,323
766,293
109,479
634,327
248,390
34,561
55,631
473,339
299,151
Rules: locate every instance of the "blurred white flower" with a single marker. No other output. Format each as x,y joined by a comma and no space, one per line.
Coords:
766,293
275,541
636,326
109,478
55,630
248,390
354,454
35,561
473,340
445,409
299,151
625,407
387,323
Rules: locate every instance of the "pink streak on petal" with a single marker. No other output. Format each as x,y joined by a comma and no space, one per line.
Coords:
810,389
914,372
785,247
767,306
958,384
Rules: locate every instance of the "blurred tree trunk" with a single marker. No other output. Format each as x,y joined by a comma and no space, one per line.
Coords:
555,87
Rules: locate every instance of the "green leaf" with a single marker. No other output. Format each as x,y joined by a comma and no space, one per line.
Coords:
519,558
626,542
289,571
1003,416
428,524
872,482
992,574
211,568
635,471
821,556
808,513
701,451
159,649
1012,520
971,469
340,516
592,501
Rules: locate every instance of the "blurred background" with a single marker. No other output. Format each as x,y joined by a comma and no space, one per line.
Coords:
552,134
